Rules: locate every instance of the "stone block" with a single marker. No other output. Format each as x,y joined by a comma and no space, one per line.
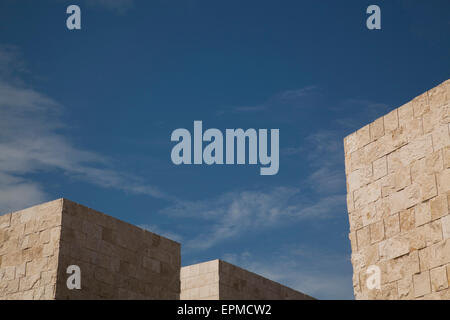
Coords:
377,129
422,284
439,280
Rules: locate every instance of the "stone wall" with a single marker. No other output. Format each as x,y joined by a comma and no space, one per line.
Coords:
117,260
200,281
398,196
221,280
29,247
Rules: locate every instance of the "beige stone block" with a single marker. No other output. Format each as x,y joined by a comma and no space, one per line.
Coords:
383,207
392,225
350,203
377,129
430,120
359,178
432,232
391,121
357,160
358,261
439,280
370,255
441,137
444,181
405,198
432,163
353,241
389,291
393,247
355,220
376,232
420,105
439,207
29,282
363,136
5,221
445,221
363,237
405,113
401,267
448,274
369,214
438,96
422,213
435,255
379,168
406,288
446,157
422,285
398,138
388,185
414,150
407,220
402,178
367,194
350,143
348,165
428,187
413,129
416,239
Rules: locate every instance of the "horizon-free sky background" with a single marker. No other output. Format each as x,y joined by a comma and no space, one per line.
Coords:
87,115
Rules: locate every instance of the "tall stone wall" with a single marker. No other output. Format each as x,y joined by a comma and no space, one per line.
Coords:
398,199
29,248
219,280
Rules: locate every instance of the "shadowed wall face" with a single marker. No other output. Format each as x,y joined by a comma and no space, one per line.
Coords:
221,280
398,199
117,259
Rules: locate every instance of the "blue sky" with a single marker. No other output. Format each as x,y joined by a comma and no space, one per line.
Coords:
87,115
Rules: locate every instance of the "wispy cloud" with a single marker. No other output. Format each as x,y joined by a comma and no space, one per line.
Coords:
235,214
32,140
289,98
368,112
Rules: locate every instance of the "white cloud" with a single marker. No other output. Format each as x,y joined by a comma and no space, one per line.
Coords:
32,140
293,98
236,213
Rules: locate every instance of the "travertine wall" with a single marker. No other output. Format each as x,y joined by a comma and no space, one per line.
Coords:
218,279
117,260
398,196
29,242
200,281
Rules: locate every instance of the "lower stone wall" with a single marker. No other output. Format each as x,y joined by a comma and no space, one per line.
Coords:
29,247
219,280
200,281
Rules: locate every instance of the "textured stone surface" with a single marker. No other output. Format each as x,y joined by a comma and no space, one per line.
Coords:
219,280
398,184
117,260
